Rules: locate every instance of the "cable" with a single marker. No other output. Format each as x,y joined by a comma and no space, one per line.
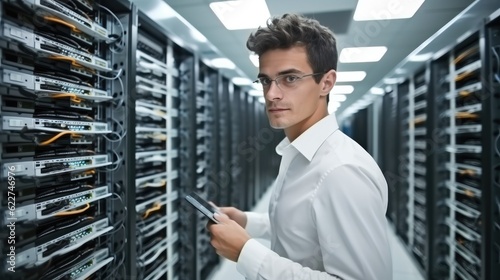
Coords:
154,257
120,137
158,136
117,20
59,130
465,115
156,206
124,208
117,162
63,22
465,54
74,63
72,96
464,75
65,115
121,263
469,172
111,78
73,212
464,93
160,184
123,90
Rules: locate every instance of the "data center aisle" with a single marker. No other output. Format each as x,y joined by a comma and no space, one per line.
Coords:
403,266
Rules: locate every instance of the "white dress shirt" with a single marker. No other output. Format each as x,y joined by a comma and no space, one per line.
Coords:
326,216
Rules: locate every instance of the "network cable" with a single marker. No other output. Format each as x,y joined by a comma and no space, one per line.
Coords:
156,206
117,37
66,188
73,212
117,77
63,22
63,225
117,163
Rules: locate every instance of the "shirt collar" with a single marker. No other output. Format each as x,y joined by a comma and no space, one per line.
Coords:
310,140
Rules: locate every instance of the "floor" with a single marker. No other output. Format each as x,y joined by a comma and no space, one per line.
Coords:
403,266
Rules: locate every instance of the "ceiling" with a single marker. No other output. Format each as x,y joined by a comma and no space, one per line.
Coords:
423,33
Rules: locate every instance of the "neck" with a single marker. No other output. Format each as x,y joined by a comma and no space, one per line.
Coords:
293,132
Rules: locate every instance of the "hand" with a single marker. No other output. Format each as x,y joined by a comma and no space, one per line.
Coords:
234,214
227,237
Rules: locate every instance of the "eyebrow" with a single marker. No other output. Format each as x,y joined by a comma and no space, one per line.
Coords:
284,72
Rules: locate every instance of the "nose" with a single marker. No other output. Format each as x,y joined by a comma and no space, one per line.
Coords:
273,92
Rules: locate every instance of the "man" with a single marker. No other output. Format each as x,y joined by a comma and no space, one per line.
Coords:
326,216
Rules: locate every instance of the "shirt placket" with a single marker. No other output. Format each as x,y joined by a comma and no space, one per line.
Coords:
285,163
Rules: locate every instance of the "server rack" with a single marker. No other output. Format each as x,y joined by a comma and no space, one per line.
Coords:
418,159
236,193
463,125
437,139
388,164
187,134
223,177
206,86
491,147
156,154
405,172
61,196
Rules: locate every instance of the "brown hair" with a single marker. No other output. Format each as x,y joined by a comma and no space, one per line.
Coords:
292,30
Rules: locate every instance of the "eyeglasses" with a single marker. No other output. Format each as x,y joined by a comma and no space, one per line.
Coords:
284,82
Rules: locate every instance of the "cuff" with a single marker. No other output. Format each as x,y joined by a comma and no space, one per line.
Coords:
256,225
251,257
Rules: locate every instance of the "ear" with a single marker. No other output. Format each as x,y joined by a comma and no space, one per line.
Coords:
328,82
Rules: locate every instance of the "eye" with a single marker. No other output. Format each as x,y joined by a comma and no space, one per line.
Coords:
265,81
290,78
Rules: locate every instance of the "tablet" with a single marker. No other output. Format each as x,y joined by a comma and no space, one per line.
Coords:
202,205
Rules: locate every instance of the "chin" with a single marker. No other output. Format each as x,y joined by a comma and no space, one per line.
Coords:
277,124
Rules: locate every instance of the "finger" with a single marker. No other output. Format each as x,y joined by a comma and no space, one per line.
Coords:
213,204
209,225
221,217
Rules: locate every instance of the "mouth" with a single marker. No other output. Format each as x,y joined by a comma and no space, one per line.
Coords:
276,110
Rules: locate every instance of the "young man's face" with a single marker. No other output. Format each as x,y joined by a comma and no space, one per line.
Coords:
295,106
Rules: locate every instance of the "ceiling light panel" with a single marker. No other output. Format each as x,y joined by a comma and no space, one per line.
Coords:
342,89
255,92
377,91
338,98
242,14
350,76
362,54
386,9
241,81
222,62
333,106
254,59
